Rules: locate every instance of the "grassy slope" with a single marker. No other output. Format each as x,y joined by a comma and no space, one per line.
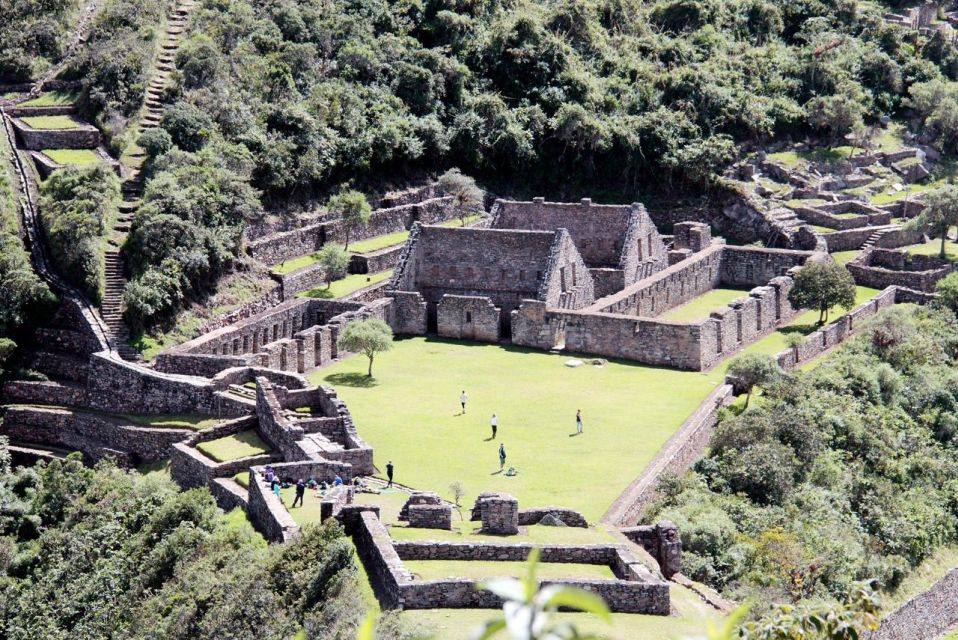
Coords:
234,447
52,99
347,285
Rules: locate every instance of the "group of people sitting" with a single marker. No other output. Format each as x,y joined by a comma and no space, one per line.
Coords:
276,484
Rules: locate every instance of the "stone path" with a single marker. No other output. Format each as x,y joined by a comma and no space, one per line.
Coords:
112,304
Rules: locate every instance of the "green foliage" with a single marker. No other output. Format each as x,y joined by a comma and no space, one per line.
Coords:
552,93
112,65
188,126
155,142
33,35
104,553
335,261
352,208
467,197
77,205
845,621
947,290
753,369
187,233
844,474
939,215
823,286
370,336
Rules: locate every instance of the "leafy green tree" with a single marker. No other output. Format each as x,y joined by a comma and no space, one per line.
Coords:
335,261
947,290
352,208
467,197
155,142
822,286
939,215
189,127
7,347
76,206
369,337
753,370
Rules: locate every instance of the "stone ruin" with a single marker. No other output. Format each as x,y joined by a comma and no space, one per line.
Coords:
536,284
425,510
662,541
500,515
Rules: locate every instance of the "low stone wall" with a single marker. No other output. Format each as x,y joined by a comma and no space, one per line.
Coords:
869,274
268,513
84,136
570,518
662,542
54,393
375,261
834,334
813,215
930,614
304,279
683,449
638,592
95,435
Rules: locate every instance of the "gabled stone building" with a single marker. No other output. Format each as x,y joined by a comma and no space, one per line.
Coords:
619,243
465,282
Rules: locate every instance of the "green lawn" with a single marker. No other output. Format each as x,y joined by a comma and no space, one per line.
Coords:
412,406
347,285
822,229
51,122
72,156
910,189
804,324
933,248
701,307
234,447
51,99
172,421
844,257
441,569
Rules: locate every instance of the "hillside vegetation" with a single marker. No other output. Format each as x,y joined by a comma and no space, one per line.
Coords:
844,473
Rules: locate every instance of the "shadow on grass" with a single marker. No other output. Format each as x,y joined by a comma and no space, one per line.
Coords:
360,380
321,293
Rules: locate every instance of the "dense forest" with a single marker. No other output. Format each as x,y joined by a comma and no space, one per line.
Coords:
107,553
839,474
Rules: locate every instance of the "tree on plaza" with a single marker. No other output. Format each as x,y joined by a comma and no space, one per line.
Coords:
353,208
370,336
822,286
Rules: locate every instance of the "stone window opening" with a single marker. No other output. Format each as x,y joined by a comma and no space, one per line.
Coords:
538,275
468,317
562,282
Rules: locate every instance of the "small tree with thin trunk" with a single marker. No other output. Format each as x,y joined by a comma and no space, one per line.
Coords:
466,196
334,260
370,336
753,370
939,215
457,491
822,286
353,208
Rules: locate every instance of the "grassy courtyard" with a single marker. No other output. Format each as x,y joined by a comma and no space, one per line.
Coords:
347,285
410,414
52,99
72,156
239,445
933,248
700,308
441,569
50,122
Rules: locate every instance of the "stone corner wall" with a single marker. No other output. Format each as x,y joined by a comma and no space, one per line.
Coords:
468,318
662,541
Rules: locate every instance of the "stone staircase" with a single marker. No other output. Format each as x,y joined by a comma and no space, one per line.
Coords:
872,241
112,305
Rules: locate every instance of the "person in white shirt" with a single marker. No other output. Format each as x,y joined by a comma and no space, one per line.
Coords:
495,426
462,400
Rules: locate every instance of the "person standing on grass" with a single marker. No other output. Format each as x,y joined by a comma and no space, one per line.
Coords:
495,426
300,492
462,400
389,473
502,455
578,420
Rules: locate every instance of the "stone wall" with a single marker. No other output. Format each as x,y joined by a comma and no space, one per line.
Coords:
407,314
430,516
84,136
295,336
569,517
832,335
468,318
274,249
662,541
683,449
499,513
930,614
95,435
638,591
375,261
880,268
